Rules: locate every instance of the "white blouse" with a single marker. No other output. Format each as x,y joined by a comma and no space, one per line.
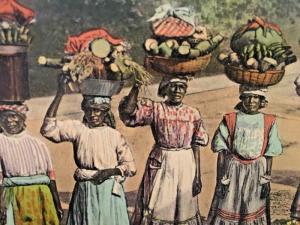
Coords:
94,148
24,155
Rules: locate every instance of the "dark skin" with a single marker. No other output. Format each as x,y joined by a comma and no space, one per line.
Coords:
94,116
13,123
2,204
294,212
175,94
251,104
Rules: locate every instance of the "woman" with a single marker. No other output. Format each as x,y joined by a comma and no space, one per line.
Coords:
295,208
246,141
171,182
102,156
28,189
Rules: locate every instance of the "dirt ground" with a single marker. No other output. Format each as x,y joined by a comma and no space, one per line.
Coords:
214,97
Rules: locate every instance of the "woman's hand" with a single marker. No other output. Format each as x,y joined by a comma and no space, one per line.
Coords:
197,186
60,214
105,174
265,190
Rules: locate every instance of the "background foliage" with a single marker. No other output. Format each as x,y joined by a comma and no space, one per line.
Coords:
56,19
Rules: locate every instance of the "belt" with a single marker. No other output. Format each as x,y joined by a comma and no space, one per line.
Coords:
24,181
174,148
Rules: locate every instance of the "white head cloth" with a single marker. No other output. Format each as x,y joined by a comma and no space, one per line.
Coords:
245,89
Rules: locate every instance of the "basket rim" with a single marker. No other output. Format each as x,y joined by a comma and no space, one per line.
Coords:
252,70
179,59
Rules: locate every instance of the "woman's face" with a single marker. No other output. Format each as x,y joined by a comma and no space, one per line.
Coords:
176,92
251,103
11,122
95,115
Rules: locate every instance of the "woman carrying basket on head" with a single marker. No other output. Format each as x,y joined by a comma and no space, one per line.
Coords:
102,156
171,182
246,141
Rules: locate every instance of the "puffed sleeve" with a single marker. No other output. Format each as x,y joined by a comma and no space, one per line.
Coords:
219,142
200,135
274,147
47,161
143,114
125,159
59,131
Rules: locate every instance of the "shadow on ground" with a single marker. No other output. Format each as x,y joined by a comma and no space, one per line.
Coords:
286,177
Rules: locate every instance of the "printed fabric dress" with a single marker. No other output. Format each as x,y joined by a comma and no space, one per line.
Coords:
246,140
26,169
165,195
95,149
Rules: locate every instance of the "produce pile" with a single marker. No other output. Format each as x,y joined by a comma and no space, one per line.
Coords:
260,46
175,35
15,20
96,54
199,44
12,33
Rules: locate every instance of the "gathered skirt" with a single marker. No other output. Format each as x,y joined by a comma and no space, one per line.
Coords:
95,204
171,199
242,203
30,204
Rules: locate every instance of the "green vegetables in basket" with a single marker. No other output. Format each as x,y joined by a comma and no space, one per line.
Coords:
123,68
261,46
256,30
14,34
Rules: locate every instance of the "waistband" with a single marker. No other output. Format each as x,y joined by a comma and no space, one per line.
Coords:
24,181
243,160
173,148
83,175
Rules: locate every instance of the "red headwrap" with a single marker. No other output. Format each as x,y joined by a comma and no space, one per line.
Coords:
78,43
14,11
17,108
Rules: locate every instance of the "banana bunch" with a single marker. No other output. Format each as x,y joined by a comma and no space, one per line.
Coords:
255,50
277,51
14,34
282,53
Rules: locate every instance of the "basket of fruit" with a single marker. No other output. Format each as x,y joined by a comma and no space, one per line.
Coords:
178,45
260,54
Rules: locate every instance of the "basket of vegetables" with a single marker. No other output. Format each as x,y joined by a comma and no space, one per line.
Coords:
259,55
97,63
178,45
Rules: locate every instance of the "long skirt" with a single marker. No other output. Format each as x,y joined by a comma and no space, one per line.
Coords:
242,203
171,200
94,204
31,204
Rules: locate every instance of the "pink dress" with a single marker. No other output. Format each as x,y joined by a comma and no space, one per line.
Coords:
165,195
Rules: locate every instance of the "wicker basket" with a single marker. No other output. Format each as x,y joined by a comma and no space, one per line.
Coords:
253,77
176,65
98,87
